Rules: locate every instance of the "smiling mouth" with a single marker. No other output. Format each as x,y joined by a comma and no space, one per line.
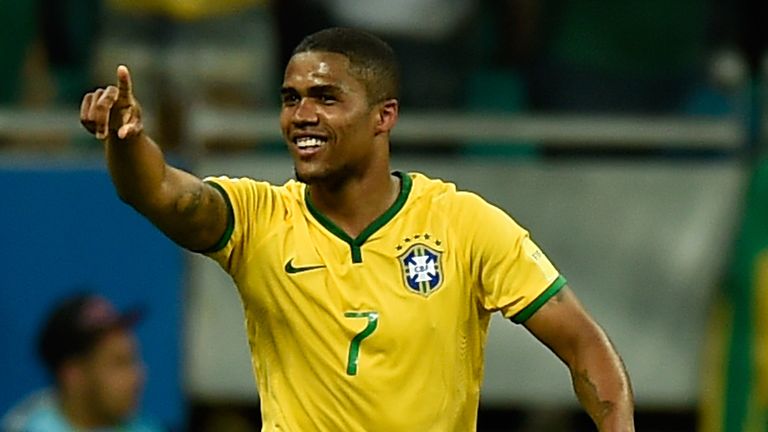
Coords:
308,146
305,143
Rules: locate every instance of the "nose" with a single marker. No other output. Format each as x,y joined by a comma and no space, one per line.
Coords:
305,112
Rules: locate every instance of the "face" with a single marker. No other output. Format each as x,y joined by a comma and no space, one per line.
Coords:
113,377
326,119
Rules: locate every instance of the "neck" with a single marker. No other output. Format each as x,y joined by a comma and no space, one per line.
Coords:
355,204
78,413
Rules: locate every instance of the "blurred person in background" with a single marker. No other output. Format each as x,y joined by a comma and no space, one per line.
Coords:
92,354
50,40
603,56
734,386
192,52
204,48
434,38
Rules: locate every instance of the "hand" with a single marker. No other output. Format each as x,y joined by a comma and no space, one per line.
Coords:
113,111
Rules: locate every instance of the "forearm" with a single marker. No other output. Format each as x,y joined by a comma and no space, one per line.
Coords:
138,169
602,385
599,379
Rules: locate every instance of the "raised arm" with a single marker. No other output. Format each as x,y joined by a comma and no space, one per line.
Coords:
599,378
190,212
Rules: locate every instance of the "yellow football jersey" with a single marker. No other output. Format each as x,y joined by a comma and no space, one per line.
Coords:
383,332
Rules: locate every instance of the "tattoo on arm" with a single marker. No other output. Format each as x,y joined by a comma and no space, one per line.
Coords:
586,390
189,201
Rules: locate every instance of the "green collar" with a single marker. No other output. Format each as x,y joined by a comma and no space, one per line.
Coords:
355,243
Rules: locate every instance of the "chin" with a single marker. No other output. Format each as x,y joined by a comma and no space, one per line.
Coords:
309,176
330,177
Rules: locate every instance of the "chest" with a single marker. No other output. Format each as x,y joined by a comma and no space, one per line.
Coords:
410,277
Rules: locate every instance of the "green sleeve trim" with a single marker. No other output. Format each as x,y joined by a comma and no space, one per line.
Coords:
529,310
230,221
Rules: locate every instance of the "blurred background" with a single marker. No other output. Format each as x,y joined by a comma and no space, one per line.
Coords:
627,136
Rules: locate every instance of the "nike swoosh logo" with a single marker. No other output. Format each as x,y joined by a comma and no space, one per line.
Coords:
290,269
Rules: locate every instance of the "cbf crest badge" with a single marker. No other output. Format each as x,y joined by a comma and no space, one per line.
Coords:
422,271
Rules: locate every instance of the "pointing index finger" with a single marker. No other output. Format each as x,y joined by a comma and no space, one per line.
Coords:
124,83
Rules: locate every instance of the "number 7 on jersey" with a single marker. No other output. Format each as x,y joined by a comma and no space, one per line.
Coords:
354,345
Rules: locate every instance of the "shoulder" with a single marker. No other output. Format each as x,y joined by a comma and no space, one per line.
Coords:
36,412
471,216
247,182
448,196
424,188
142,424
245,186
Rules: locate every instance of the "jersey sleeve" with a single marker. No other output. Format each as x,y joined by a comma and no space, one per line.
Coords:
511,272
251,206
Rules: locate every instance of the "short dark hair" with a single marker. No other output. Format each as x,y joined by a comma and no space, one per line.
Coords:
371,59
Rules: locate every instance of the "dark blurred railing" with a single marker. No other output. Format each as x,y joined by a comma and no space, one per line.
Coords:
204,124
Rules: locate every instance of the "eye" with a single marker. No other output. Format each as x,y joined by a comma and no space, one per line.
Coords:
289,99
327,99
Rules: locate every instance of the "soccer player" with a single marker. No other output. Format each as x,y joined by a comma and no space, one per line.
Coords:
367,292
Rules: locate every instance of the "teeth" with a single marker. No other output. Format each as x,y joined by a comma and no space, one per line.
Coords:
305,142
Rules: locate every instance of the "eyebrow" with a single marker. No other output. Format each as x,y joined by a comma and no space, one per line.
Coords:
314,90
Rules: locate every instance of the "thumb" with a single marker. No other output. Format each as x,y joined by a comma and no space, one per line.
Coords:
127,130
124,83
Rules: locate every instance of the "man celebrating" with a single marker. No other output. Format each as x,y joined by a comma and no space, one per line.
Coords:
367,292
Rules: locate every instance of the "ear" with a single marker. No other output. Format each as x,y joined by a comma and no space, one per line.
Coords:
387,116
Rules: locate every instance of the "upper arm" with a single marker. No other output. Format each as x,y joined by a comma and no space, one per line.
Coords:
199,212
511,273
564,326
